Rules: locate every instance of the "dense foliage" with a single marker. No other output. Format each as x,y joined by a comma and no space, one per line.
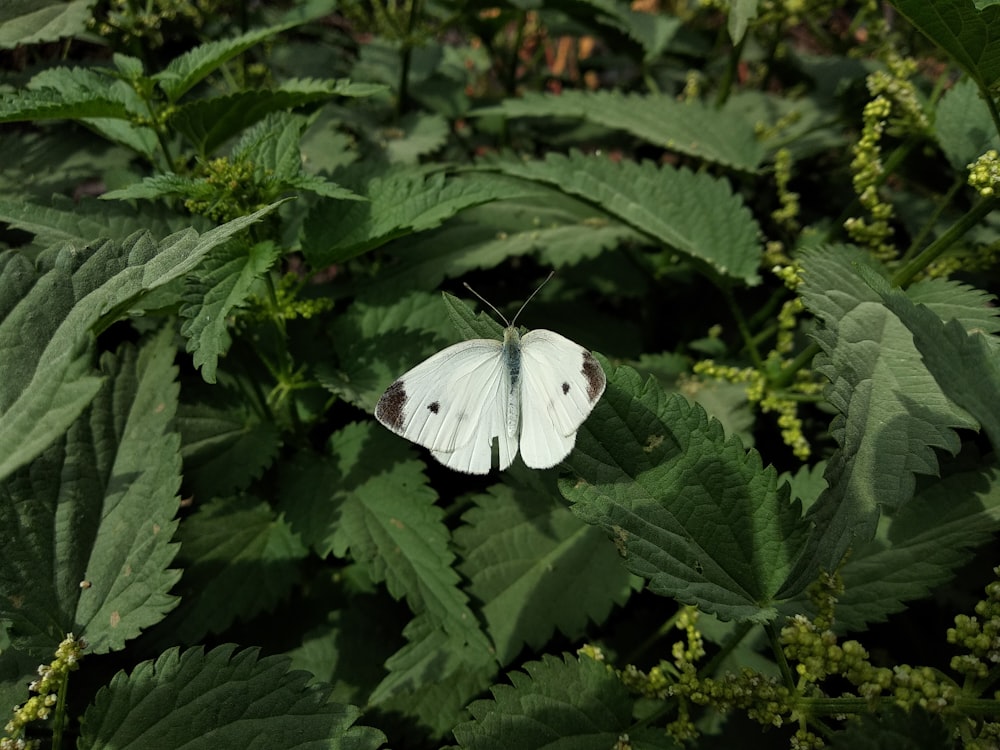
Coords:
227,227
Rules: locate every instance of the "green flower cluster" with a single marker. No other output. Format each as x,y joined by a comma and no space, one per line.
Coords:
229,189
984,173
143,20
51,682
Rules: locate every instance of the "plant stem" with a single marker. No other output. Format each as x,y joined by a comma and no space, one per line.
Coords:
929,224
404,68
59,714
726,84
933,251
741,325
779,655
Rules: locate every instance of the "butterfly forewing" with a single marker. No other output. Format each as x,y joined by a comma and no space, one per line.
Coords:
454,403
561,383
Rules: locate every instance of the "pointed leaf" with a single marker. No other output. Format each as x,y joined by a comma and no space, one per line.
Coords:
963,125
692,512
572,702
34,21
239,558
891,412
694,213
223,284
537,568
401,202
223,698
87,525
186,71
692,128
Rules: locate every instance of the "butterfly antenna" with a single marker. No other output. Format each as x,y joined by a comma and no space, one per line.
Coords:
487,303
551,274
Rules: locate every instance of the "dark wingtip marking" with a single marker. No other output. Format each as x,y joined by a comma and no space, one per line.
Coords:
565,388
434,407
390,410
595,376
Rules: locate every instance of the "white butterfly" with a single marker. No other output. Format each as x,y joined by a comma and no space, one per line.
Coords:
534,390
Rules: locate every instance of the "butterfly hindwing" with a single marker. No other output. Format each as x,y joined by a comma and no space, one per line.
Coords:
560,384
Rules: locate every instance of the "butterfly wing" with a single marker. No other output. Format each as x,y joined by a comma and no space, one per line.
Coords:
560,384
454,403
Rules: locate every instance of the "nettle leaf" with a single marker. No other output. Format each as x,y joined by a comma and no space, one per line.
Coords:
963,125
434,676
86,527
222,285
967,34
222,698
385,519
418,134
55,310
892,414
211,121
563,231
894,729
537,568
69,94
652,31
239,558
740,15
184,72
691,128
79,222
568,702
696,214
403,201
690,511
34,21
225,445
963,359
922,547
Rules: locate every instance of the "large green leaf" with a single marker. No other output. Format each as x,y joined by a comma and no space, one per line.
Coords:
33,21
403,201
187,70
223,284
239,559
963,125
221,699
696,214
690,511
568,702
892,414
51,313
970,36
692,128
87,525
536,567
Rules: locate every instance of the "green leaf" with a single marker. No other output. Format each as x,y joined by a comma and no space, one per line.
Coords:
892,414
653,31
48,104
239,558
963,125
86,527
894,729
963,359
222,285
537,568
418,134
969,35
225,445
211,121
563,231
34,21
50,316
223,698
923,546
185,72
403,201
65,220
716,135
696,214
386,519
740,15
568,702
693,513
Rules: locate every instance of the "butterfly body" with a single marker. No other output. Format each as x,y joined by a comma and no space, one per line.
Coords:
529,393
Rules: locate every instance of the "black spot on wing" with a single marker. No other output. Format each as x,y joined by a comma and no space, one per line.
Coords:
433,407
565,388
391,408
594,375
